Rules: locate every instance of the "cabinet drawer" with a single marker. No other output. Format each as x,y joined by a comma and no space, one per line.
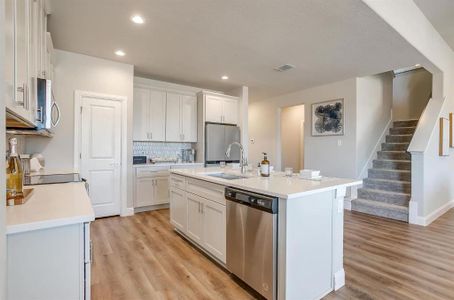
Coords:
152,172
207,190
178,181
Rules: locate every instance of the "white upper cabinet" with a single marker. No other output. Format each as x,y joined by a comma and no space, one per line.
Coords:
221,109
230,109
214,110
189,118
173,124
26,39
157,115
149,114
181,120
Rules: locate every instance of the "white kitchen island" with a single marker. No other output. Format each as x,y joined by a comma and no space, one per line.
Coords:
310,224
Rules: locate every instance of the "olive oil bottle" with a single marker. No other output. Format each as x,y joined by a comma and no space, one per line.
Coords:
14,175
265,166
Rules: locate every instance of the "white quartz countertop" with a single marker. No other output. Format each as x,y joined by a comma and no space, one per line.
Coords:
276,185
169,164
50,206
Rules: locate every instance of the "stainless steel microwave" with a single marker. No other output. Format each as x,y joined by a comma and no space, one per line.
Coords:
48,112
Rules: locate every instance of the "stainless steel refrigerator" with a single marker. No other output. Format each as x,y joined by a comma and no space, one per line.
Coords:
217,139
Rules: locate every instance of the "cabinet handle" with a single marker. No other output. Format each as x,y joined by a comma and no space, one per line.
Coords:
151,135
21,89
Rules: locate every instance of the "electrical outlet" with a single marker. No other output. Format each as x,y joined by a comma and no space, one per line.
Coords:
252,141
339,143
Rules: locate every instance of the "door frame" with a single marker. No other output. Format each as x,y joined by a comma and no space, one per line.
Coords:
78,96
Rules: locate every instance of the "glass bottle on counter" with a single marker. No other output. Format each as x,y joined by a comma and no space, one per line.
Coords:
14,174
265,166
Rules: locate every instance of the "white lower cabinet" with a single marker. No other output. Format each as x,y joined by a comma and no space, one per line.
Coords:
195,218
178,209
151,187
52,263
202,220
214,229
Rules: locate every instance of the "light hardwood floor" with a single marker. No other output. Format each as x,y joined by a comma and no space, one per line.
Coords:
140,257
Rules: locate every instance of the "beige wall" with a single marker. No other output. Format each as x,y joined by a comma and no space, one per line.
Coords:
367,112
320,153
292,132
374,104
411,91
80,72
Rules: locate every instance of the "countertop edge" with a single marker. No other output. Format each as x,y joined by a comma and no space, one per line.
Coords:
353,182
27,227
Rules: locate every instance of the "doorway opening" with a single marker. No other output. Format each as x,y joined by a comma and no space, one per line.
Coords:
292,137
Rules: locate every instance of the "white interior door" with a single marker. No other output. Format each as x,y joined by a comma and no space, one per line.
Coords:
100,160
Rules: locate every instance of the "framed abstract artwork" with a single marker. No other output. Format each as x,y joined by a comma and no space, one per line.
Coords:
328,118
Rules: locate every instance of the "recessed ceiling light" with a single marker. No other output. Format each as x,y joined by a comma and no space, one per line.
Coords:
137,19
417,65
225,77
120,53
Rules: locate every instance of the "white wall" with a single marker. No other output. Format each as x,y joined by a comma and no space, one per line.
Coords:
2,162
80,72
373,110
292,133
411,92
323,153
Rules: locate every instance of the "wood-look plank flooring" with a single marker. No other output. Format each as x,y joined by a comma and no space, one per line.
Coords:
140,257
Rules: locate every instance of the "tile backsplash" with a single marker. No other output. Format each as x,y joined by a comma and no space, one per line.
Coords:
159,150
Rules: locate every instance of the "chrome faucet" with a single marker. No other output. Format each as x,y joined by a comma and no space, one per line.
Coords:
243,160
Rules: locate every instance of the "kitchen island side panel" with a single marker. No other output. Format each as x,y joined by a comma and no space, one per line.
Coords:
306,246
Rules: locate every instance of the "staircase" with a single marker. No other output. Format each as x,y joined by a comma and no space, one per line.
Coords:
386,191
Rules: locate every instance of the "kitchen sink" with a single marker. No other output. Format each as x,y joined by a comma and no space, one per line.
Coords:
226,176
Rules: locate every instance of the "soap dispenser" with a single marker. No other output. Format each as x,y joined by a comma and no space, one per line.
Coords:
265,166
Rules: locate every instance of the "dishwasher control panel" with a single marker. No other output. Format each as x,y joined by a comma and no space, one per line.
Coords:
258,201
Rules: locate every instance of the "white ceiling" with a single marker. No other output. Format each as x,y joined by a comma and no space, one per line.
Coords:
441,14
196,42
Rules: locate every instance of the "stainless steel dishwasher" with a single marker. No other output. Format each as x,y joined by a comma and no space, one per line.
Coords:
252,239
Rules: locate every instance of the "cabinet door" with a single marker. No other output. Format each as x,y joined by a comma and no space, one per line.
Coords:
178,209
213,109
189,118
214,226
157,115
230,109
141,114
173,132
195,218
21,47
144,192
10,93
161,190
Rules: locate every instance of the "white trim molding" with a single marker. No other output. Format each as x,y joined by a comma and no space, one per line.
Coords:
78,95
426,221
339,279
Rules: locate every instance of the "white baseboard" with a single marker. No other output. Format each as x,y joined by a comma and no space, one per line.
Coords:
129,211
150,208
425,221
339,279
